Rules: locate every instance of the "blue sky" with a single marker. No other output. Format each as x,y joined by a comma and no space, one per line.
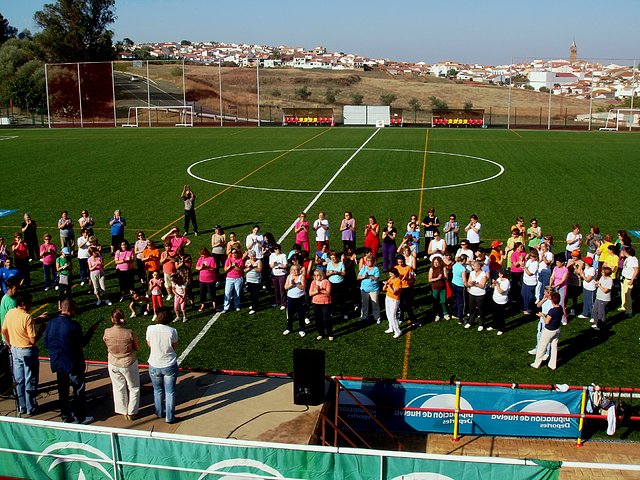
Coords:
473,31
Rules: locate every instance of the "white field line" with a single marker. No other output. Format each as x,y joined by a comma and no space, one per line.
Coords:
8,137
315,199
198,337
215,318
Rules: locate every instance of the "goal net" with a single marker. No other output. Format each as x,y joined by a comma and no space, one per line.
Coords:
618,118
177,115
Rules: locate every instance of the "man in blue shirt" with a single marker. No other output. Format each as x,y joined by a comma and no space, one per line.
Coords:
65,341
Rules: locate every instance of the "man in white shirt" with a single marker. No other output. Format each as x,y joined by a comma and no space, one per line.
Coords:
628,276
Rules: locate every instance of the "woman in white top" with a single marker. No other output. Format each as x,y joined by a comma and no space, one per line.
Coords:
83,256
138,248
545,263
163,364
501,286
529,281
278,265
253,279
476,282
437,246
295,285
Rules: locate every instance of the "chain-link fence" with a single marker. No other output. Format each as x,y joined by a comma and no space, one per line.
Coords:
528,93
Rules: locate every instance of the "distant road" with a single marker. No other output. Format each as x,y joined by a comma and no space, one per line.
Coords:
134,93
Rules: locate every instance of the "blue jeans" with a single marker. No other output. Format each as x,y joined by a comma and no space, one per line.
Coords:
587,301
527,292
164,390
49,273
232,289
26,368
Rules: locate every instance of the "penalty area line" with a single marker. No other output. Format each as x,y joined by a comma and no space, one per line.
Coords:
328,184
198,337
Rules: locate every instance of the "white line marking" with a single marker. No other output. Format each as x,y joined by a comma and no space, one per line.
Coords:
198,337
344,165
8,138
393,190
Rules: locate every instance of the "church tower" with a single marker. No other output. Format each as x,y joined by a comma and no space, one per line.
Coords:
573,53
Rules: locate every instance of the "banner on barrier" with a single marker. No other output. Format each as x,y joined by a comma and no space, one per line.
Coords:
519,412
36,451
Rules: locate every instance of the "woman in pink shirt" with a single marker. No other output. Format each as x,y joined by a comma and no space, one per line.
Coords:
234,268
206,268
96,272
48,257
301,227
518,259
320,293
559,277
124,258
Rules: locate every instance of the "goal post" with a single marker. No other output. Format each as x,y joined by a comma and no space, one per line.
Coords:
178,115
620,118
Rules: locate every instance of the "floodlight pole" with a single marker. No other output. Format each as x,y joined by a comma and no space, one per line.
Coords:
80,96
591,97
220,88
509,102
184,86
46,85
549,108
258,85
633,90
113,93
148,95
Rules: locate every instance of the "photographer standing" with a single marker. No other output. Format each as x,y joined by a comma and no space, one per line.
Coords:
65,342
189,199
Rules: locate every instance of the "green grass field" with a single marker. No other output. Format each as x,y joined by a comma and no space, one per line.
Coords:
559,177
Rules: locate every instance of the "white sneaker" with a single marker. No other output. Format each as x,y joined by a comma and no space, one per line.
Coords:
195,234
153,319
396,335
499,332
176,319
238,309
286,332
145,313
133,315
98,303
378,321
301,333
109,302
582,316
121,299
282,307
252,311
185,234
480,328
345,316
87,420
184,319
564,322
57,287
591,320
533,351
545,357
489,329
169,297
388,330
307,321
82,284
437,319
447,317
467,325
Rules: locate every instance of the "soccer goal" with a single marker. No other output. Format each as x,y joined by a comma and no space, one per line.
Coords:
178,115
621,117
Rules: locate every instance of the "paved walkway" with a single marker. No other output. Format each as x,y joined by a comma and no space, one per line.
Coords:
262,409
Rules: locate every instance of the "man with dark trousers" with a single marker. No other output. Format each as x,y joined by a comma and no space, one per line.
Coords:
65,342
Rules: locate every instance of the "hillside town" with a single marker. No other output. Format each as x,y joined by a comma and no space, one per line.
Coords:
567,77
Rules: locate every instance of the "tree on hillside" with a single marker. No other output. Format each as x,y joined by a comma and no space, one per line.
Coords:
356,98
331,94
76,30
388,98
415,105
6,30
22,74
303,93
438,104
